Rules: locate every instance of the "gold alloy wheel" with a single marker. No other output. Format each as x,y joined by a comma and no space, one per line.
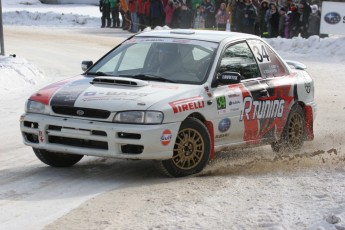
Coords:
189,149
295,131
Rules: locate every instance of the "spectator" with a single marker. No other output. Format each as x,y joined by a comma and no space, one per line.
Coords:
282,21
237,15
124,12
209,10
104,7
156,13
169,11
175,23
249,17
114,9
263,22
199,20
274,21
286,25
222,17
147,5
304,11
133,9
141,16
314,21
257,5
293,22
185,17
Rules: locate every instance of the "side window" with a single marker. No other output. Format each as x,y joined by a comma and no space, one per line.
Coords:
239,58
269,63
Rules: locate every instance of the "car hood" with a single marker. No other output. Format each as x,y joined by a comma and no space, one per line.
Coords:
110,93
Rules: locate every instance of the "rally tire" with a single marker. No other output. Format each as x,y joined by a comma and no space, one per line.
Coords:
293,135
55,159
191,150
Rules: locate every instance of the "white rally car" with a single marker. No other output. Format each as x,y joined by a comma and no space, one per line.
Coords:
174,96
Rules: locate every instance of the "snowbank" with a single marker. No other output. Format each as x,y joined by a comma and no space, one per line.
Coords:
329,48
17,73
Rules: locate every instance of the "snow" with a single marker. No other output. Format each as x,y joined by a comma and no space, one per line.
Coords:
248,189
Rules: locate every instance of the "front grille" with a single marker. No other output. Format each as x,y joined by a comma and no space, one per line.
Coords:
93,132
78,142
132,149
81,112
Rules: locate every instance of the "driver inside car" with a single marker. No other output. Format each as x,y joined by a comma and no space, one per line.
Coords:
165,60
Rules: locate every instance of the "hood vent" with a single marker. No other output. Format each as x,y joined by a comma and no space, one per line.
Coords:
125,81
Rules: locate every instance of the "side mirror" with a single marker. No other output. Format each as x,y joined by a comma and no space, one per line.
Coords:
85,65
228,78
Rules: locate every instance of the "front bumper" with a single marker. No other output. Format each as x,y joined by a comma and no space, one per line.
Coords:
94,138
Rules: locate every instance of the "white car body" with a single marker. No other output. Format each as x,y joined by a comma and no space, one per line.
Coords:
238,118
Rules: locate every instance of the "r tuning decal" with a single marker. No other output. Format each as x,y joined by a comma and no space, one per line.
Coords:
265,118
262,109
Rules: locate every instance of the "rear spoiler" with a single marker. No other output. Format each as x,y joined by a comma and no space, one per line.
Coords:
296,64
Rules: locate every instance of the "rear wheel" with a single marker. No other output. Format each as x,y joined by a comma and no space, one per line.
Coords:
57,159
293,134
191,150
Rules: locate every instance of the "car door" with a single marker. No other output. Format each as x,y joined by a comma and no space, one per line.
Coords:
235,118
273,110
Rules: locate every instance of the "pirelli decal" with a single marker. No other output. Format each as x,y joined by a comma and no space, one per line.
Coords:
262,109
187,104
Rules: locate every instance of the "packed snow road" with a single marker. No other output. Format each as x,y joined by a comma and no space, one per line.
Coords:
241,189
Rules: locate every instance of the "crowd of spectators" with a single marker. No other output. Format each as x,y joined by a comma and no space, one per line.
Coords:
265,18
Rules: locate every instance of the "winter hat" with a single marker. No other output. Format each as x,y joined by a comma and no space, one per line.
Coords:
314,9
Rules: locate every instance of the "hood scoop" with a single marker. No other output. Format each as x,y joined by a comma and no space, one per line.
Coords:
124,81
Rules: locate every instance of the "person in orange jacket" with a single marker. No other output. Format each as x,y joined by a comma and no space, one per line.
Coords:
124,14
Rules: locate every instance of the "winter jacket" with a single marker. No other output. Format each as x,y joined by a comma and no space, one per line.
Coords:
222,16
251,13
314,24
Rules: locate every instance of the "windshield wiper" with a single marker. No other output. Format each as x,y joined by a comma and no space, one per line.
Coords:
149,77
99,74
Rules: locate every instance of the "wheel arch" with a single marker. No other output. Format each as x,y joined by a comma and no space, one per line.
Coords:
209,126
308,120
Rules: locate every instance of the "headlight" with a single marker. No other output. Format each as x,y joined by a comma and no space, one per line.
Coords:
35,107
139,117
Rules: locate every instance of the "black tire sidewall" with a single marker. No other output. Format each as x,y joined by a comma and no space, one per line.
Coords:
57,159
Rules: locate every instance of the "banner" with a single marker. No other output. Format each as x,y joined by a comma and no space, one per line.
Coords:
333,18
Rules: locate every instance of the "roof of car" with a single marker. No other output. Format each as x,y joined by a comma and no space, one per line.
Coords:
204,35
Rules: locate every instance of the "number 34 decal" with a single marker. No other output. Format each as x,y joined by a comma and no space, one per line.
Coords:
260,52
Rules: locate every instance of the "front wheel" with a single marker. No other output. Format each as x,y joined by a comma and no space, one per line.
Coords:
57,159
293,136
191,150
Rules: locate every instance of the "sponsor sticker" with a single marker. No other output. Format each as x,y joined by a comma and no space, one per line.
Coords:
166,137
224,125
332,18
40,134
187,104
221,103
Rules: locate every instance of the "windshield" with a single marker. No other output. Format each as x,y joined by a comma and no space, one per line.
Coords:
158,59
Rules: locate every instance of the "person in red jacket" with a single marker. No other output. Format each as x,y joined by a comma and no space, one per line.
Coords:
133,9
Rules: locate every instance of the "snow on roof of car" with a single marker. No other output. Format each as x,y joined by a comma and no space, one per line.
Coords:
205,35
